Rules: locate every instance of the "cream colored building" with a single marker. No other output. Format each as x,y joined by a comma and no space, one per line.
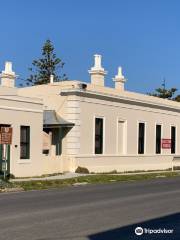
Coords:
101,128
25,116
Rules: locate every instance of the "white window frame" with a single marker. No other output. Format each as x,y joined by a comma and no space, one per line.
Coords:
125,135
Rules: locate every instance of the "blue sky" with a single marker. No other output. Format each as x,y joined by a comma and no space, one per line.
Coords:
142,36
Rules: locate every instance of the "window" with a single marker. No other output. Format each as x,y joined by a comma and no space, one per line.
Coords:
57,140
98,135
121,137
158,139
141,138
173,139
25,142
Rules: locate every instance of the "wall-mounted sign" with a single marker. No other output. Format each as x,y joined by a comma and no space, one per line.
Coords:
166,143
5,135
46,141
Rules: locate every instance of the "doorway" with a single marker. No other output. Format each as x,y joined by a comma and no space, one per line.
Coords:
1,154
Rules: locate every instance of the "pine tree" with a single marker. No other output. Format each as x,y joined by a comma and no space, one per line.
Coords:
46,66
162,92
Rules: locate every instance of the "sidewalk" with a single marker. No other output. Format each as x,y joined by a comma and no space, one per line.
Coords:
56,177
73,175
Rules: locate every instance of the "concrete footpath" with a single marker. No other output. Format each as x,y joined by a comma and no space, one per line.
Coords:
73,175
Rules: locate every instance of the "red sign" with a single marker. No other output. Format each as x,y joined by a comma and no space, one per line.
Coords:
166,143
5,135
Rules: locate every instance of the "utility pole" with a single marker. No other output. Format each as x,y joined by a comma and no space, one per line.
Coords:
164,83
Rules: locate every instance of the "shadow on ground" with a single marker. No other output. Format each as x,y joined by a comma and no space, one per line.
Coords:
128,232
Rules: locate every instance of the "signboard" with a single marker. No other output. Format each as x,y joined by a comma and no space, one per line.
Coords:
166,143
46,141
5,135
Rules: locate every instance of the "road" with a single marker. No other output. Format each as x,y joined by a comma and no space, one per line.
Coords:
94,212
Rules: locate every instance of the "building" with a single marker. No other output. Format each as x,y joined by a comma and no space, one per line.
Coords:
25,116
104,129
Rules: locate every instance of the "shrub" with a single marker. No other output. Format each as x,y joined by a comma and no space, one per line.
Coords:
113,172
81,170
5,184
10,176
176,167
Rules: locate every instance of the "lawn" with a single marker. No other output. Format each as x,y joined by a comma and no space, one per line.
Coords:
91,179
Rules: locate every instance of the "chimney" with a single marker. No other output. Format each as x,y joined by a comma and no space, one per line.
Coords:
119,80
51,78
8,76
97,72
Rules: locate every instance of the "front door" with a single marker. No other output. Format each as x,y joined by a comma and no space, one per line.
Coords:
8,153
8,158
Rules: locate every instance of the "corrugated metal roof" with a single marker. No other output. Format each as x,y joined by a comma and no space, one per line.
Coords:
52,119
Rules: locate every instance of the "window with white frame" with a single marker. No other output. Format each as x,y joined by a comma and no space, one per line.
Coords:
141,138
99,135
158,139
173,139
24,142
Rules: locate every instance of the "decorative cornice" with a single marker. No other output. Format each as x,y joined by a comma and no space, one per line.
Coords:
116,98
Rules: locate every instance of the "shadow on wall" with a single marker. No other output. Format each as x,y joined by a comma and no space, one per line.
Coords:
169,222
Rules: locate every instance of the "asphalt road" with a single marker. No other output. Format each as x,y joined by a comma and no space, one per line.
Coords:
94,212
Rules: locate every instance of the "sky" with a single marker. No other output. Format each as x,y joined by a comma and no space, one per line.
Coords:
142,36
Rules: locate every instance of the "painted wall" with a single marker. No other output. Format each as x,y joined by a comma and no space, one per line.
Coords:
131,114
78,144
108,163
17,111
68,108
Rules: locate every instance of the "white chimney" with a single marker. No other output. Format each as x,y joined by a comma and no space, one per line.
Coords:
8,76
97,72
119,80
51,78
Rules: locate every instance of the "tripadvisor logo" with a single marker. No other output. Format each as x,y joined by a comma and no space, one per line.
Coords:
139,231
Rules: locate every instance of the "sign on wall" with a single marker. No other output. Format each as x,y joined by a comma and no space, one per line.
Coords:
46,141
166,143
5,135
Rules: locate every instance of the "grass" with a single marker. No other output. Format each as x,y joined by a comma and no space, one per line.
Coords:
91,179
138,171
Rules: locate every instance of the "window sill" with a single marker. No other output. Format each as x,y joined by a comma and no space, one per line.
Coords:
24,161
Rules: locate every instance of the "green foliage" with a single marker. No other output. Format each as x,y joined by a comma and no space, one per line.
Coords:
10,176
162,92
82,170
177,98
5,184
91,179
45,66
